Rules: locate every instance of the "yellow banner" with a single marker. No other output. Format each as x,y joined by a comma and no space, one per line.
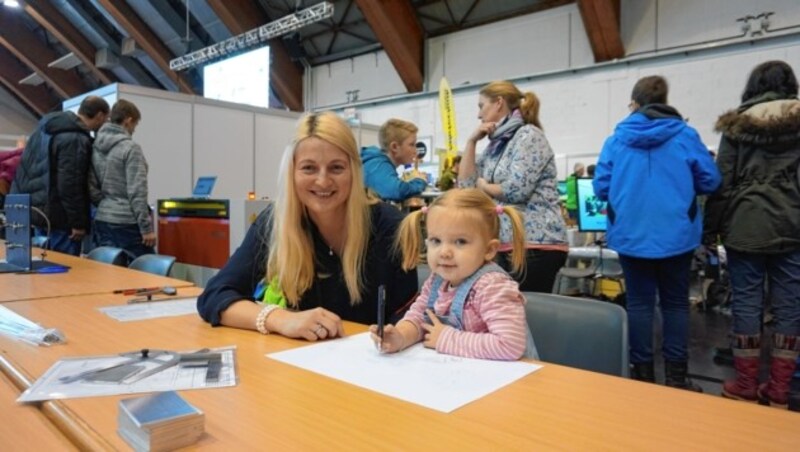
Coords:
447,109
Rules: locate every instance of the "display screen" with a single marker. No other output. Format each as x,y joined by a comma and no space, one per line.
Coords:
562,188
243,79
204,186
592,212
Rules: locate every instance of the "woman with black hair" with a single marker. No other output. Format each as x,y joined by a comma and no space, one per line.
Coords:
756,214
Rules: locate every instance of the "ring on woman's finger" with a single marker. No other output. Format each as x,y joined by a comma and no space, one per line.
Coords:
318,329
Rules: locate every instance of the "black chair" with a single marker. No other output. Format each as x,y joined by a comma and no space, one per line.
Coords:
157,264
578,332
109,255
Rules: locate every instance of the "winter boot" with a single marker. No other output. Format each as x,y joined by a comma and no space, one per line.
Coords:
775,392
676,376
643,372
746,358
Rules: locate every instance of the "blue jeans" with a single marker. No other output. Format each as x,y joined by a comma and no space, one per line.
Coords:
668,278
59,240
748,273
125,236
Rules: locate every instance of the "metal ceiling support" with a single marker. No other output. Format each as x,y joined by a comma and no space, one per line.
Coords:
285,77
395,24
254,37
127,18
56,24
601,20
29,49
36,98
180,25
130,67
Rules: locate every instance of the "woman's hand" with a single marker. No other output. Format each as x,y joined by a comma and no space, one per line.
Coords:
432,331
393,340
481,184
311,325
484,128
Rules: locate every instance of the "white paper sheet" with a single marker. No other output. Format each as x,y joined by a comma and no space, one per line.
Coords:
417,374
49,386
151,310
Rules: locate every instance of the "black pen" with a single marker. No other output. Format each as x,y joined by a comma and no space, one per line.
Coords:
381,310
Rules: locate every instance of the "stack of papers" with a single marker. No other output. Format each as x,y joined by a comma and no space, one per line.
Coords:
159,422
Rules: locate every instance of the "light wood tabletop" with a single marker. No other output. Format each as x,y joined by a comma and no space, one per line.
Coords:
84,277
24,428
277,406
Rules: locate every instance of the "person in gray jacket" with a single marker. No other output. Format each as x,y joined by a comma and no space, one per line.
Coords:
119,185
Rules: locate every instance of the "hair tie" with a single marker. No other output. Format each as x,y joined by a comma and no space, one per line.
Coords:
424,210
498,209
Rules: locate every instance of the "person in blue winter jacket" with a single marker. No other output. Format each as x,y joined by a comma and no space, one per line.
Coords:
398,141
650,171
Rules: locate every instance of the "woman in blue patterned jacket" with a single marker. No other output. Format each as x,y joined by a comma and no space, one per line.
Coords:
517,168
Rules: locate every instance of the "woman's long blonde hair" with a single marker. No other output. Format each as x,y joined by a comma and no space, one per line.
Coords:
527,102
409,234
291,249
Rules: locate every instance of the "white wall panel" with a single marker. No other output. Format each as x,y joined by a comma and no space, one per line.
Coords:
372,74
649,25
224,147
638,25
164,134
511,48
14,119
273,135
580,51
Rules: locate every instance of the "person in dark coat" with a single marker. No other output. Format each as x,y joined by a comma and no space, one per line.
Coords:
54,170
756,215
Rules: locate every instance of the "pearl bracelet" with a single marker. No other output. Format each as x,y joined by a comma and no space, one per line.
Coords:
261,319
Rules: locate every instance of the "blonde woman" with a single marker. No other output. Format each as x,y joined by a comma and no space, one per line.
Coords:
324,247
398,146
517,168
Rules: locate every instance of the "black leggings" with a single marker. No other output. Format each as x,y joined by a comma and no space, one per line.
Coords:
540,271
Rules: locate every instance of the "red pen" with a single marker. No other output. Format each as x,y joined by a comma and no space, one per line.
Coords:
137,291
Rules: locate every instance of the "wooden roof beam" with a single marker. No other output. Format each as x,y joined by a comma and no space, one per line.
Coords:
127,18
601,18
285,77
37,98
54,22
29,49
395,24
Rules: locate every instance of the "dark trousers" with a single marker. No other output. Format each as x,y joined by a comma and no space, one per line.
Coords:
747,274
541,269
59,240
665,280
125,236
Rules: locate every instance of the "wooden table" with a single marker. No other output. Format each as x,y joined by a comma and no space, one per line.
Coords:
84,277
25,427
279,407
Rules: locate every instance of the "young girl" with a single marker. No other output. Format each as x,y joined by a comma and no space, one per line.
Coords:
469,306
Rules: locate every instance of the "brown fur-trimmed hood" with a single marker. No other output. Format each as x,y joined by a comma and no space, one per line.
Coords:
767,122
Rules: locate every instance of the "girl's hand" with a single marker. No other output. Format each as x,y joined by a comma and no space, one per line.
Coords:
433,331
393,340
312,325
484,128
